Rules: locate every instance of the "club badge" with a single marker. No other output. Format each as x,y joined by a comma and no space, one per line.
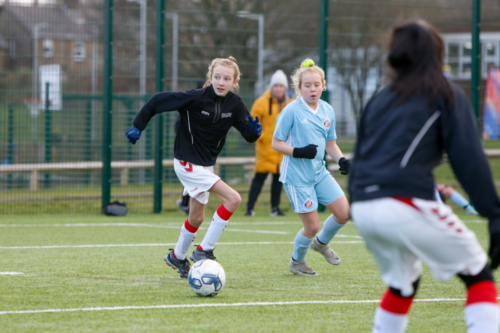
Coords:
308,204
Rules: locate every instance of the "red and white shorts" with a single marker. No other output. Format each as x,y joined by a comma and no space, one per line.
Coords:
403,232
196,179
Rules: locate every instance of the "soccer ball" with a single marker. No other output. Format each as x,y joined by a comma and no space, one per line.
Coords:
206,278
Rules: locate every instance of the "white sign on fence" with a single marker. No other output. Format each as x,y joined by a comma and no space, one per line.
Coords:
51,74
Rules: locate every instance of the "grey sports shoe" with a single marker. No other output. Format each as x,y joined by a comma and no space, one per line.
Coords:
198,255
182,266
301,268
326,251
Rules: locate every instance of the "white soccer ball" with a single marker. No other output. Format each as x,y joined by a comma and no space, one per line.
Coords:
206,278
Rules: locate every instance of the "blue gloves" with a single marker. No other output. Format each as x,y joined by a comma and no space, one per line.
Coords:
255,125
133,134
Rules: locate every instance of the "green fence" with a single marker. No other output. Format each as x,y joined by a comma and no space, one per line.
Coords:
52,150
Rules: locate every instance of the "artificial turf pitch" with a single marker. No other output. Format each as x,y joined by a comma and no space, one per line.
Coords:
91,273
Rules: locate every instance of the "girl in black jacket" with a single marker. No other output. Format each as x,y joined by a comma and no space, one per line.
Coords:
207,114
402,135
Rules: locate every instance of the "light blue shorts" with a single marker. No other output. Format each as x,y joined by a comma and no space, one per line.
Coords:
305,199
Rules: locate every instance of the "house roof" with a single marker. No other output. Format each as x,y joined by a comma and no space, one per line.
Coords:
59,24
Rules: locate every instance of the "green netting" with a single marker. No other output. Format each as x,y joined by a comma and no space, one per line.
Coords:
50,154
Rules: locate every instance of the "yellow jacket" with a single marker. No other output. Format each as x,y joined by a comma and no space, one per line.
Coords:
267,109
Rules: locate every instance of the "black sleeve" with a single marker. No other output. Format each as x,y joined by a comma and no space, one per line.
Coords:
163,102
466,156
177,123
242,124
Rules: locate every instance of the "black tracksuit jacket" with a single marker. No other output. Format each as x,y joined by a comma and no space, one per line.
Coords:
205,121
399,144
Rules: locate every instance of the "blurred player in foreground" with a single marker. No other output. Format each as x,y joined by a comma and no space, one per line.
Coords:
403,133
304,130
206,117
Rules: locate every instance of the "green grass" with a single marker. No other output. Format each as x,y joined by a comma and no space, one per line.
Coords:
72,277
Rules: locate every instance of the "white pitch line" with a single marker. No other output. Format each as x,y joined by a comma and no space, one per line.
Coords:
141,226
11,273
144,225
209,305
129,224
260,231
149,245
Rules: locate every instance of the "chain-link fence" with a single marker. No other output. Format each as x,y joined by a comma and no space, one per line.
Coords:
52,63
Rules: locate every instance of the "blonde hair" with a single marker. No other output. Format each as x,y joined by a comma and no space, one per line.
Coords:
307,66
228,62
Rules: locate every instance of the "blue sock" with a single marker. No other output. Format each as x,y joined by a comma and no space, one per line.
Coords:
300,246
330,229
459,200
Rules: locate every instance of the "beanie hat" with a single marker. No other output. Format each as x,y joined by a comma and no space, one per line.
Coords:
279,78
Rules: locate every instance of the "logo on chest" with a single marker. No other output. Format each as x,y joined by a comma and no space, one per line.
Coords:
226,115
206,113
326,123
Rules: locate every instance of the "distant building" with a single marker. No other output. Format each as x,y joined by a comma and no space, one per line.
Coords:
58,36
4,52
458,48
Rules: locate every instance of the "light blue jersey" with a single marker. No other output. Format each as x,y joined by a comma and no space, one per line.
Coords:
298,125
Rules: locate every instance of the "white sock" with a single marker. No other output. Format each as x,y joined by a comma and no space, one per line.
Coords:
387,322
483,317
216,228
184,243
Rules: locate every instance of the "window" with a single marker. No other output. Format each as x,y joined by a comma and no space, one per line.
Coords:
48,48
490,56
79,51
12,48
459,50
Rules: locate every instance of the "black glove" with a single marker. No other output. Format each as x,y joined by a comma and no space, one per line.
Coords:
494,251
345,166
308,152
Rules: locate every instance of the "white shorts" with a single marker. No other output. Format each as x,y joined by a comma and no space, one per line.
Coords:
402,234
196,179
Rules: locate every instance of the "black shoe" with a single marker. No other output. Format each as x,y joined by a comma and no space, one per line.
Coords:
277,212
182,266
249,212
198,255
185,209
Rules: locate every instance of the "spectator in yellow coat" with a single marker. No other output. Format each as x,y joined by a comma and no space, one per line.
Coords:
268,107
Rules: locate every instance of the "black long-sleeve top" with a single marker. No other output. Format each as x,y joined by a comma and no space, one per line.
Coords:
205,119
399,144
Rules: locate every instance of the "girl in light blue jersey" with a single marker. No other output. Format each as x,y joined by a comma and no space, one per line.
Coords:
304,130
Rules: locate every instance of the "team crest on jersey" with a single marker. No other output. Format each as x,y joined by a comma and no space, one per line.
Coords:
225,115
326,123
308,204
206,113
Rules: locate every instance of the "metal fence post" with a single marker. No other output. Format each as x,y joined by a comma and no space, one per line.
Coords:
10,142
323,56
48,133
107,102
160,61
475,79
88,135
323,42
